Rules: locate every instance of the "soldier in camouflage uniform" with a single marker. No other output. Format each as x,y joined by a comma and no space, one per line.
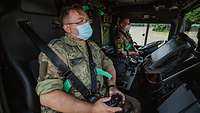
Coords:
73,51
123,40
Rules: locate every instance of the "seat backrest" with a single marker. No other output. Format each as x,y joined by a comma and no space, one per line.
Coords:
21,52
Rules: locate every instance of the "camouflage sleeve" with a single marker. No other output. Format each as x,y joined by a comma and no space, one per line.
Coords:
119,45
49,78
106,62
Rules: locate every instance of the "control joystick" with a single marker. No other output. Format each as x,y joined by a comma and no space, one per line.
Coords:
115,101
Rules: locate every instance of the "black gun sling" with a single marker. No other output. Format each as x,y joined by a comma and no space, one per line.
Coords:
67,73
92,70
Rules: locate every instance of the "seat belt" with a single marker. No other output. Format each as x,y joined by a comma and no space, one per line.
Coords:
130,42
125,34
92,70
66,71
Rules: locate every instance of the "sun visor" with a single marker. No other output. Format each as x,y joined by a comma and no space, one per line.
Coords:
45,7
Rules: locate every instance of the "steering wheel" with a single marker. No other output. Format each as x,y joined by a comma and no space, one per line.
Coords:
152,44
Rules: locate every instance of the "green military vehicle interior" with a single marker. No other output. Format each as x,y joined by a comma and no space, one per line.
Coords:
19,56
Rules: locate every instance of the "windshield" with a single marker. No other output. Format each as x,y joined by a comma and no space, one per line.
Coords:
156,32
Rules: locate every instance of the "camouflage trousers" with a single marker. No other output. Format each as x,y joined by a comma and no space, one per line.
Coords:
132,105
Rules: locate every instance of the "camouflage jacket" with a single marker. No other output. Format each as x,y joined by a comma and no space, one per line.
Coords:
76,57
122,42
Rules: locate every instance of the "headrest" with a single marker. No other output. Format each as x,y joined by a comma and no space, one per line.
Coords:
188,39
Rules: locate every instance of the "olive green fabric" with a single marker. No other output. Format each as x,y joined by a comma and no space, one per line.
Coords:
76,57
122,43
49,85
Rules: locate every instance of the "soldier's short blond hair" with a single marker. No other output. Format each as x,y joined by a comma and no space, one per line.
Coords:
122,19
66,10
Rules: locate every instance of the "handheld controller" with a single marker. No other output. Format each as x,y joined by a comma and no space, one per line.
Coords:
115,101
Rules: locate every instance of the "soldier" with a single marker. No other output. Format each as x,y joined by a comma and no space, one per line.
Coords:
73,51
123,40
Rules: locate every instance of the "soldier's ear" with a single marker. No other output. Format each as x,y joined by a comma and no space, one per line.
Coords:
66,28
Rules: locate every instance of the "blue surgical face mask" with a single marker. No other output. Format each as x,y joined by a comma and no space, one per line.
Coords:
85,31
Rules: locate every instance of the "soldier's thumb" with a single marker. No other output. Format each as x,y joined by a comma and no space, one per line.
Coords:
104,99
114,109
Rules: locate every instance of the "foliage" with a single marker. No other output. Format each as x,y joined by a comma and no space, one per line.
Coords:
193,16
161,27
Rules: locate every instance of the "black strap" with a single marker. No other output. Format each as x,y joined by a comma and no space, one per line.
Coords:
125,34
92,70
67,73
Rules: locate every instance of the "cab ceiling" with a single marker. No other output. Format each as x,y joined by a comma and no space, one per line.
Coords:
152,5
116,6
135,2
164,3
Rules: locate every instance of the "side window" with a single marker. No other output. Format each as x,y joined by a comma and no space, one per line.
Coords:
156,32
105,30
192,23
105,34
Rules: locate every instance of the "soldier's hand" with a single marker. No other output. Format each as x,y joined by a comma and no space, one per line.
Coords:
101,107
133,53
114,91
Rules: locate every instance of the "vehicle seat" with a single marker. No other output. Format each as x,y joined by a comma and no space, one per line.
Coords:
22,53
